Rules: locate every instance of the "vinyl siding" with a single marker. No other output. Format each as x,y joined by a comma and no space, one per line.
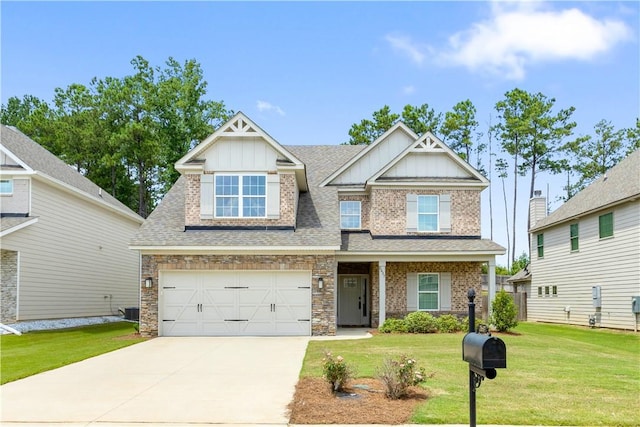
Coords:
612,263
72,257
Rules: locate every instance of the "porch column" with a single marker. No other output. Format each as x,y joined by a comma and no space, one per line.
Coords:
382,272
492,283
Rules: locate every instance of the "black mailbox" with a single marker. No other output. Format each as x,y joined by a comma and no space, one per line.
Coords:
484,351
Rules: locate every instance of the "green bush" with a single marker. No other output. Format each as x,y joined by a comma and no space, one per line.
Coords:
336,371
465,324
448,323
393,325
504,313
398,375
420,322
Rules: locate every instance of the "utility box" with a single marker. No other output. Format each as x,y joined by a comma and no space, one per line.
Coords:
132,313
596,296
635,304
484,351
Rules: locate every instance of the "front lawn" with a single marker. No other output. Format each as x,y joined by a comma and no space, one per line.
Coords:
556,375
35,352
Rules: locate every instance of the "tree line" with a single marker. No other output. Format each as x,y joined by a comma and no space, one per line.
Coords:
126,133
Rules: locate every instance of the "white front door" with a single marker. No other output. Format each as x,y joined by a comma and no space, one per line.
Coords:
227,303
352,301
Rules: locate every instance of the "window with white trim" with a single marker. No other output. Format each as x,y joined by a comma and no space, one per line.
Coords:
240,196
6,186
350,215
428,291
428,213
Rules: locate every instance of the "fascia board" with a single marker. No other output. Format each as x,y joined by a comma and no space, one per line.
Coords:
16,159
417,256
18,227
77,192
413,184
370,147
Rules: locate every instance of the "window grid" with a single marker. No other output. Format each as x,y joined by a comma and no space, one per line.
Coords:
605,225
428,291
234,200
428,213
573,231
350,214
540,245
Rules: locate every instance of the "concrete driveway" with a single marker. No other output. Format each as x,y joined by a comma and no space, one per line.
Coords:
168,381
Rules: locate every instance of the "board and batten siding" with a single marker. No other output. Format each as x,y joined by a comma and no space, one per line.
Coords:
75,255
612,263
235,154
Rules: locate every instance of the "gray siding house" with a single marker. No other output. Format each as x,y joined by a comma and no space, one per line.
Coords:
256,238
64,241
585,256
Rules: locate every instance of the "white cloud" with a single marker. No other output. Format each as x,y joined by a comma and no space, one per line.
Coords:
518,35
408,90
264,106
408,47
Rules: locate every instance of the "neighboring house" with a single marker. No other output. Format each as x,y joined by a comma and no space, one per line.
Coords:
64,240
256,238
585,256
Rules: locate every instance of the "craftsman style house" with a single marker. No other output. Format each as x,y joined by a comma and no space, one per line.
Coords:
64,240
585,256
256,238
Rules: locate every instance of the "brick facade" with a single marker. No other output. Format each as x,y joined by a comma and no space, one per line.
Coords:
464,276
323,321
8,285
288,206
388,211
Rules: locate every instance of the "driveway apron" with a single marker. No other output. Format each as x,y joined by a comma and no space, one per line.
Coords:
166,380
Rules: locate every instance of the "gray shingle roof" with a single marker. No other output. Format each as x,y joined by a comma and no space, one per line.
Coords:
318,222
45,163
620,183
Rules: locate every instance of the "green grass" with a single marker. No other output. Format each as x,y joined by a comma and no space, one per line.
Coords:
556,375
35,352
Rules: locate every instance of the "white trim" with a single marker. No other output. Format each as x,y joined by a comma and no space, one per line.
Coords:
18,257
18,227
363,152
359,215
426,184
382,291
437,213
416,256
240,196
418,291
235,250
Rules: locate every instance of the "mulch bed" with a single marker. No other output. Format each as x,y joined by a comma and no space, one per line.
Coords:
314,403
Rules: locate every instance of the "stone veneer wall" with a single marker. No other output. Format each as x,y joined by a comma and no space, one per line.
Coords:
288,204
8,285
389,211
323,320
464,276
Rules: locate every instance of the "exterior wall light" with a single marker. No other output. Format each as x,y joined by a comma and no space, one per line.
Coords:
148,282
320,283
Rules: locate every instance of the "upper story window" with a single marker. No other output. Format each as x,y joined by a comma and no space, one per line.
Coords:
573,232
540,245
350,215
605,225
240,196
428,213
6,186
428,291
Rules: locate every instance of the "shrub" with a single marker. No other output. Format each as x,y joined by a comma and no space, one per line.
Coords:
465,324
336,371
393,325
398,375
420,322
504,313
448,323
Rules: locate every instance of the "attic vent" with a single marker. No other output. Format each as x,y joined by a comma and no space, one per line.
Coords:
240,126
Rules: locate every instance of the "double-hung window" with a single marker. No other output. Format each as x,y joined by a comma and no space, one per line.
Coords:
428,213
605,225
350,217
573,232
540,246
6,186
428,291
240,196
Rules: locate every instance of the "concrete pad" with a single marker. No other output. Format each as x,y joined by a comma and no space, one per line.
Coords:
165,380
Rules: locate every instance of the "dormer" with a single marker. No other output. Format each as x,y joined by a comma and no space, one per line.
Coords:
240,177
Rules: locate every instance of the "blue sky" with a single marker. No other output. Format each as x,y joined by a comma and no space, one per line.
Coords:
306,71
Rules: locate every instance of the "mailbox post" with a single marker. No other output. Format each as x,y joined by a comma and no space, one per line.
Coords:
484,354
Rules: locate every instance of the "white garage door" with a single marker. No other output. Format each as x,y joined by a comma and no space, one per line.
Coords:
228,303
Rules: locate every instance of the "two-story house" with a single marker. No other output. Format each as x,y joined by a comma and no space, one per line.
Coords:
64,241
256,238
585,256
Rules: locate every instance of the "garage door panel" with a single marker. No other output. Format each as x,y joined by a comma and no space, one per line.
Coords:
180,328
220,328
